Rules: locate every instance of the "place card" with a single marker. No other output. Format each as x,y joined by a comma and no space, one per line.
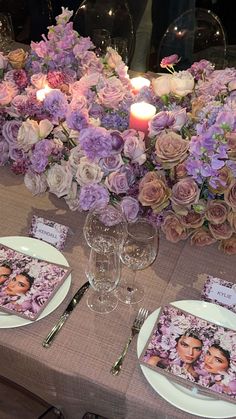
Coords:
49,231
219,291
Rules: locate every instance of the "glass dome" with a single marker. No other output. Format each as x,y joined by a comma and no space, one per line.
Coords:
108,23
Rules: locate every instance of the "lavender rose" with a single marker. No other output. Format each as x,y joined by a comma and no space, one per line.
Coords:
117,182
171,149
10,130
162,120
130,208
134,146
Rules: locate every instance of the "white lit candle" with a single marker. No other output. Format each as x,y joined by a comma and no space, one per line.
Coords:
42,93
140,115
138,83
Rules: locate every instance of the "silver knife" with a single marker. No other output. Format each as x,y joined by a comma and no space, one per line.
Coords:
75,300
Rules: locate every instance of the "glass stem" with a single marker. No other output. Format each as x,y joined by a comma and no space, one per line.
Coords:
131,286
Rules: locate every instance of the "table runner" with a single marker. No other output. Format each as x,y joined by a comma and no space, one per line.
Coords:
74,373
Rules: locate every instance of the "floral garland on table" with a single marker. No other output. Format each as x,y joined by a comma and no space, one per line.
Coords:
65,125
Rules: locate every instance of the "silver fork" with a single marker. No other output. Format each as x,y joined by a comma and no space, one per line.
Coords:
136,326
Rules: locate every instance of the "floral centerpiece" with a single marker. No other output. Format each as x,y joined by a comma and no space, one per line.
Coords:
64,115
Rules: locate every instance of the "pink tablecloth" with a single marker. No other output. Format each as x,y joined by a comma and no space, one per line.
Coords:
74,373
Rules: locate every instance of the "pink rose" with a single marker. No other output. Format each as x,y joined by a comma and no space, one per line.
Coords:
112,93
169,61
185,192
202,237
230,195
229,245
221,231
153,192
216,211
171,149
180,171
8,91
173,228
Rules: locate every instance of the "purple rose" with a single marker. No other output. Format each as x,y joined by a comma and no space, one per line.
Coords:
10,130
162,120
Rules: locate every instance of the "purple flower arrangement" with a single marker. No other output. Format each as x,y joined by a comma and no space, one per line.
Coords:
64,116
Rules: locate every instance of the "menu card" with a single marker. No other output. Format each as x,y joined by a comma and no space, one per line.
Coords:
194,352
27,284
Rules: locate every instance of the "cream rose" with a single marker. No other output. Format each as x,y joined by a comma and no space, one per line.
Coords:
30,132
88,172
35,183
221,231
59,179
202,237
17,58
229,245
185,192
230,195
112,58
154,193
161,85
182,83
171,149
173,228
216,211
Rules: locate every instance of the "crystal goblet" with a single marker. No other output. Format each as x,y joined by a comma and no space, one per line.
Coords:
103,273
138,251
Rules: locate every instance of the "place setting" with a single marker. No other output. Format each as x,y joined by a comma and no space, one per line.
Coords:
148,165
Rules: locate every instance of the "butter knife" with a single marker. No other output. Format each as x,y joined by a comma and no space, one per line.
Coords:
72,304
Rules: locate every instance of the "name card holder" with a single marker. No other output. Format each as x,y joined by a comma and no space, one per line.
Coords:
49,231
219,291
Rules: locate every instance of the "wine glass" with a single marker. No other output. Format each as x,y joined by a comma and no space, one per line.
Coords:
105,229
120,45
139,250
101,39
103,273
6,32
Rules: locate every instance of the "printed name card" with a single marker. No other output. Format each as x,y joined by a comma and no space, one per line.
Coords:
219,291
49,231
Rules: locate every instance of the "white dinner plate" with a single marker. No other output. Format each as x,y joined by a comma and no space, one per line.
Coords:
178,395
41,250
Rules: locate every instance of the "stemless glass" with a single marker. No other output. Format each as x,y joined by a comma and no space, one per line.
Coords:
103,273
139,250
105,229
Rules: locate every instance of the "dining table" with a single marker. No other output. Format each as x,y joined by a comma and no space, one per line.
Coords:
73,374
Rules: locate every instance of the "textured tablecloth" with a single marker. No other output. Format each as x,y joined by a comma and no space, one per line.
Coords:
73,373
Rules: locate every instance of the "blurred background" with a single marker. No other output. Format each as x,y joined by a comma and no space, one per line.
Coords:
151,20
